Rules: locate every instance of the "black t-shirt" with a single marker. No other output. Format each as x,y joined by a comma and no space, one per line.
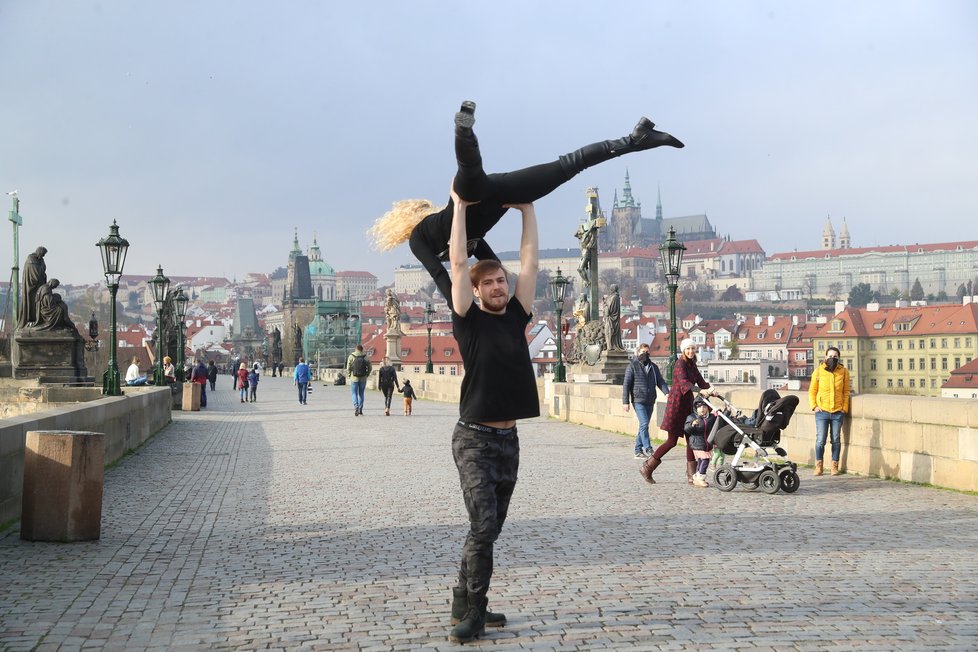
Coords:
498,384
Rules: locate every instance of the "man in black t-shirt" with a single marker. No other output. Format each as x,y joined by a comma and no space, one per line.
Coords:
498,388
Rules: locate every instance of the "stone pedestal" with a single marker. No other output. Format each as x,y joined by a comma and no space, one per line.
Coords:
191,397
610,368
50,356
394,348
63,478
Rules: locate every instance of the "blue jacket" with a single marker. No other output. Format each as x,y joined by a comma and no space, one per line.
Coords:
301,374
639,386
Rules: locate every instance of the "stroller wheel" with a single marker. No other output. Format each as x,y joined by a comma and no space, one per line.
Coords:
789,481
725,478
769,482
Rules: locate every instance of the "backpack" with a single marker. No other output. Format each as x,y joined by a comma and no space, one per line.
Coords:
361,366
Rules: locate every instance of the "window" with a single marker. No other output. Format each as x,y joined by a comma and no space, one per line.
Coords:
944,364
889,364
922,365
900,382
899,364
923,383
933,383
872,364
957,342
933,342
920,344
872,382
889,345
911,365
872,345
957,362
967,341
441,371
889,382
821,346
910,344
453,371
848,346
943,342
913,382
899,345
933,364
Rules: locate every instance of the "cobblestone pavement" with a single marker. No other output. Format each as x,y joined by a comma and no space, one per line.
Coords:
275,525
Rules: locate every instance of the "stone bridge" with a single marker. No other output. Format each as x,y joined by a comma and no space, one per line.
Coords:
276,525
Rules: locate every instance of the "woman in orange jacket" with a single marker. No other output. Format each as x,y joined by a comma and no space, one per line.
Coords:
828,397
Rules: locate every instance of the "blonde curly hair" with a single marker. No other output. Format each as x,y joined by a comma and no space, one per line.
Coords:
395,226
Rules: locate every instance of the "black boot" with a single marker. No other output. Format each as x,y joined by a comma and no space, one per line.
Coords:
460,605
643,136
470,178
473,624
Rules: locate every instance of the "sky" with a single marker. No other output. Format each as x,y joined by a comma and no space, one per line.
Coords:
213,131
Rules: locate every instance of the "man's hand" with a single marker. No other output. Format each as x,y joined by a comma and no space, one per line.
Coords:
627,406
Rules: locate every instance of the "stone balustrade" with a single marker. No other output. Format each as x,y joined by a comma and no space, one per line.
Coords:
914,439
126,421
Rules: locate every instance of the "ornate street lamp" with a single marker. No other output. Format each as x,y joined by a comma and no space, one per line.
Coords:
429,317
113,249
671,257
558,285
160,285
180,301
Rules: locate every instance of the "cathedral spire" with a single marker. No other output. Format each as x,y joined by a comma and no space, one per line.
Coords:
828,234
627,192
658,204
844,241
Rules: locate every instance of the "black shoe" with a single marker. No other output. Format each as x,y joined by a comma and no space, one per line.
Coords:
644,136
465,118
473,624
460,604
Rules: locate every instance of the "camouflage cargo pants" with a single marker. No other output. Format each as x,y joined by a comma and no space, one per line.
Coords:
487,465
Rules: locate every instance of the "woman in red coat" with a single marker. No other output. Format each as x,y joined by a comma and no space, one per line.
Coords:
679,405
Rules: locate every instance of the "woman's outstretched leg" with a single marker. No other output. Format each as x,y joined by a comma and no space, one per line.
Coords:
470,179
533,183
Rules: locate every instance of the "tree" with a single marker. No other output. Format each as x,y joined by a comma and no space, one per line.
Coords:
895,294
607,278
835,290
862,294
732,293
917,291
543,285
808,285
962,291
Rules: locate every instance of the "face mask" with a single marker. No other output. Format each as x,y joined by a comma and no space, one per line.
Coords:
831,363
643,358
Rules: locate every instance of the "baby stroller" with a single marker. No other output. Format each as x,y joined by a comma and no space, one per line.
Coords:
734,435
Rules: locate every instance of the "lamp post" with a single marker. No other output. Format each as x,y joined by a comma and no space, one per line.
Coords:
180,300
160,285
429,317
671,257
113,249
559,285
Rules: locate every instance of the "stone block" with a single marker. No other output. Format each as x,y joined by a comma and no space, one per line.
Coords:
63,479
940,411
191,397
939,441
901,436
968,444
959,474
916,467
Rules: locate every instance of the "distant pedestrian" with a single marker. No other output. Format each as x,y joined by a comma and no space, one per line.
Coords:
409,397
242,381
253,384
828,397
199,376
358,369
212,374
300,378
642,376
387,380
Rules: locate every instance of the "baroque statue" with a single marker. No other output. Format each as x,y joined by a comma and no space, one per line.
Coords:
33,277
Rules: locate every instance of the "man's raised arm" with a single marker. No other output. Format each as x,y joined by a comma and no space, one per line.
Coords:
526,284
458,256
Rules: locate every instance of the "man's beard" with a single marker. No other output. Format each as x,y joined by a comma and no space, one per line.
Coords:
496,303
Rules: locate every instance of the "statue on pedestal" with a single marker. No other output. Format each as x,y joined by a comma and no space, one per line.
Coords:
612,321
392,312
51,311
34,276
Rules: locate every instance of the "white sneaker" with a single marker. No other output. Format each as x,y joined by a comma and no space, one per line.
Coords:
699,480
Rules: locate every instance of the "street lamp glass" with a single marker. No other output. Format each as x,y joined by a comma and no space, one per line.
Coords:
114,249
559,287
160,285
180,301
429,315
671,257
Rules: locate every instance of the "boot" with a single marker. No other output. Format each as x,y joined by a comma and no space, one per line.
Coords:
460,605
470,178
387,412
473,623
648,467
835,468
699,480
818,468
690,472
643,137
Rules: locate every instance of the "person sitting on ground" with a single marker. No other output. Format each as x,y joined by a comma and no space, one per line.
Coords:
133,377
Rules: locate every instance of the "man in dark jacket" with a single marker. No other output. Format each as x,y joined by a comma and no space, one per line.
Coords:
642,376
